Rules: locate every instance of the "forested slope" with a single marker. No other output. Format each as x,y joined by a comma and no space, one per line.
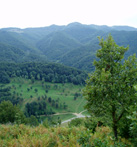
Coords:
49,72
73,45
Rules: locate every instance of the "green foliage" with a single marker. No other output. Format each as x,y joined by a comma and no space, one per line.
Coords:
133,126
21,135
37,108
16,48
4,78
49,72
110,89
99,143
76,122
124,127
10,53
57,44
84,138
92,122
6,95
38,104
73,45
32,121
46,123
100,138
10,113
89,122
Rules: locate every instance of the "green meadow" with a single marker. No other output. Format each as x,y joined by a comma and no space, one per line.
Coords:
66,94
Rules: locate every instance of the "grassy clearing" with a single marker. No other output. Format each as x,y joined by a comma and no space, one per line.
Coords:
64,93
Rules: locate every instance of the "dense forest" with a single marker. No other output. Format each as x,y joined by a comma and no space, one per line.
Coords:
46,72
12,88
73,45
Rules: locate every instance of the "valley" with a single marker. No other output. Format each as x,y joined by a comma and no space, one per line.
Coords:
73,45
68,85
60,100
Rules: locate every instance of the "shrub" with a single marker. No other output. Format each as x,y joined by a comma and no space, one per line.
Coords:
133,127
76,122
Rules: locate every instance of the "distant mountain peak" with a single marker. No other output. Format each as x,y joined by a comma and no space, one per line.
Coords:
16,30
74,44
74,24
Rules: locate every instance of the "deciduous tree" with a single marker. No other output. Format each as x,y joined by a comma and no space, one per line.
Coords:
110,89
10,113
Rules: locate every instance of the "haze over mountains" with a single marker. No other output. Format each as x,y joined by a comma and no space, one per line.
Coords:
72,45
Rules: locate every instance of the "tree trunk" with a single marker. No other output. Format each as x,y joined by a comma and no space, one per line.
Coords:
115,129
114,121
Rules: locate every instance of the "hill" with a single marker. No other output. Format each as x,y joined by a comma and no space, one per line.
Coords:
48,72
43,89
18,47
57,44
73,45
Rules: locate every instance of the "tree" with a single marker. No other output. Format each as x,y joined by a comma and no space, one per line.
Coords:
10,113
4,78
110,89
28,89
32,121
36,90
49,99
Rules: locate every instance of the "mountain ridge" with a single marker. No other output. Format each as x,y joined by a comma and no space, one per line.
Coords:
73,45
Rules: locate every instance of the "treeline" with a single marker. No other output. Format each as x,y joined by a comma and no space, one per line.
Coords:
46,72
43,106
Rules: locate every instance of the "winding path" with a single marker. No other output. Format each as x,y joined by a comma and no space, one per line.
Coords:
78,115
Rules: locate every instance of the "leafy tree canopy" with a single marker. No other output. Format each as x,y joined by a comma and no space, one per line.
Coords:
10,113
110,88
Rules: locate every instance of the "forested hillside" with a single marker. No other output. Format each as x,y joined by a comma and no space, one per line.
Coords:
42,76
46,72
73,45
42,89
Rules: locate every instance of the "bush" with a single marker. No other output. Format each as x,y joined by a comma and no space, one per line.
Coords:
46,123
10,113
92,122
76,122
32,121
100,138
133,127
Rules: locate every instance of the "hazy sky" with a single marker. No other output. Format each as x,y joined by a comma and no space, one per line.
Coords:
39,13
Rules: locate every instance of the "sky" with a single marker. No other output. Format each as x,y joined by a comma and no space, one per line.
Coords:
41,13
